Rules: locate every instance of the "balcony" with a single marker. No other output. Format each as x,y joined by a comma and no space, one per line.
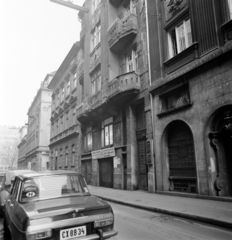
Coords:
122,32
83,110
75,129
123,87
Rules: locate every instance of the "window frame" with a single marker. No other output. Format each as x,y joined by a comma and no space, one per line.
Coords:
107,124
173,36
88,140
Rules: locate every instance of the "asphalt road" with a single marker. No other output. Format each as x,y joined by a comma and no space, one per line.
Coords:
136,224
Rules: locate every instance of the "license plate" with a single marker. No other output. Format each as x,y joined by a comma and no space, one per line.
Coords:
72,232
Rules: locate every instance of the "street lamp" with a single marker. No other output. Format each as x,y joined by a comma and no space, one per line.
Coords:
69,4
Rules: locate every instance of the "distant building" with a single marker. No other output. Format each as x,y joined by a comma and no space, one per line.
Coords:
22,147
65,130
38,134
9,138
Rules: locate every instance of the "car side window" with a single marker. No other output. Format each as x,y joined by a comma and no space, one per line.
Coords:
15,188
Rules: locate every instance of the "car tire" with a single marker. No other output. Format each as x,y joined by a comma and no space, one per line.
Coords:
7,234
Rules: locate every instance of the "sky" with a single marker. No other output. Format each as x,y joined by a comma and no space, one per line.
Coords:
35,37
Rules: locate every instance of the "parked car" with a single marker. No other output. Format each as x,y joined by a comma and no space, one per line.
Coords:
6,184
56,205
1,178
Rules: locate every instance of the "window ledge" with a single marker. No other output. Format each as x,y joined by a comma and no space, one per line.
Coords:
175,109
182,58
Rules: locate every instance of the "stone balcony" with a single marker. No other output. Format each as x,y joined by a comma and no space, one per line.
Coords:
75,129
121,32
123,87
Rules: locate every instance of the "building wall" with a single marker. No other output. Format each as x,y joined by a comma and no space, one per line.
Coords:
123,160
207,78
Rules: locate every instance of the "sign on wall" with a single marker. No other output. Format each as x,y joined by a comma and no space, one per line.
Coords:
103,153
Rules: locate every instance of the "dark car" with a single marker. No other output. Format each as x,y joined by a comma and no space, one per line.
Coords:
6,184
1,178
56,205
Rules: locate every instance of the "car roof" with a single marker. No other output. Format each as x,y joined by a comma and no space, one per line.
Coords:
12,173
48,173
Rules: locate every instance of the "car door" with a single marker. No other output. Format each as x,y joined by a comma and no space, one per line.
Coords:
13,211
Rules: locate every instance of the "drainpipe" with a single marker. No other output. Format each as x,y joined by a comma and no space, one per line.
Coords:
151,102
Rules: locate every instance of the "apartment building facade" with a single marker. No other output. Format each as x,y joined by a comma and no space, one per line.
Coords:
65,130
38,134
115,116
191,88
22,147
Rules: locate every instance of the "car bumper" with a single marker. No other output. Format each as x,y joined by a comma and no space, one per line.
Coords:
96,236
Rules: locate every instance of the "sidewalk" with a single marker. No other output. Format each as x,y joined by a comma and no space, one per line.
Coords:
218,213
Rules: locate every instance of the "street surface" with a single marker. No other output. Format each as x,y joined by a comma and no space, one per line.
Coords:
138,224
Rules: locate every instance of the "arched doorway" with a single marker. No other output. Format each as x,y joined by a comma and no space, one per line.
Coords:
181,156
221,142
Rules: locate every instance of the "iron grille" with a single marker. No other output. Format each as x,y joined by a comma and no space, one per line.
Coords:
181,156
177,100
185,186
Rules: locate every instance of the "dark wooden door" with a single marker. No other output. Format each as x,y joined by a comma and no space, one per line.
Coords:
106,172
86,169
142,165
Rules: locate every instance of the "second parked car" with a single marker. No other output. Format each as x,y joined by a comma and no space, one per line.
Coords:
6,184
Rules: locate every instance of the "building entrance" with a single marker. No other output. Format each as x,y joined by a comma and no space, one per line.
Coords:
221,142
106,172
86,169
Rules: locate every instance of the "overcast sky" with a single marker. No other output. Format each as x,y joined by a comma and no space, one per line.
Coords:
36,36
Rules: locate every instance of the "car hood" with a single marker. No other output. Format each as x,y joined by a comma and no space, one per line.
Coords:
60,206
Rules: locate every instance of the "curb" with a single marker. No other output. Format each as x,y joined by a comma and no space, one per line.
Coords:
173,213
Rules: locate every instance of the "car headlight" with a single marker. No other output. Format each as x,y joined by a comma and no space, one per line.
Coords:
39,235
103,222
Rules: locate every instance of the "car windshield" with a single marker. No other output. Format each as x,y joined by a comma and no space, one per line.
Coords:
53,186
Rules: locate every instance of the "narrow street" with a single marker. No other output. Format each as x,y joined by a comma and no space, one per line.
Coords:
138,224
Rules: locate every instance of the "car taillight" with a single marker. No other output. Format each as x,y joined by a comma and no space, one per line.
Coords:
103,222
39,235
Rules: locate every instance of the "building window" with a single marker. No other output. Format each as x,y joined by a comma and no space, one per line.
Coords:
95,4
132,61
68,88
107,132
74,116
62,95
67,120
66,156
96,81
229,2
179,37
60,160
73,155
175,99
88,141
74,80
95,36
130,7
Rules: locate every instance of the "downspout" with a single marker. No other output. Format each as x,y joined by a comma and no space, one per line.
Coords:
151,102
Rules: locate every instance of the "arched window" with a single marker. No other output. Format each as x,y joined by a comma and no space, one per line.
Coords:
181,156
